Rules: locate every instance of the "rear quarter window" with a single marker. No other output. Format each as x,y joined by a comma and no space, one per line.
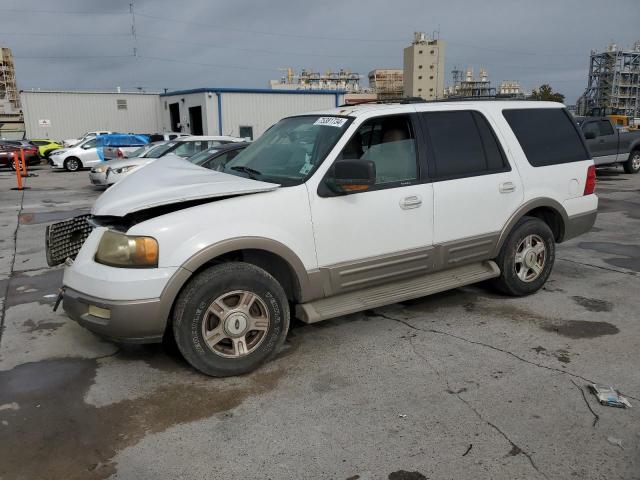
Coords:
547,136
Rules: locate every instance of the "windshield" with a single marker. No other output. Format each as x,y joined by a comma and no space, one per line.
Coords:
89,143
137,152
159,150
202,156
291,150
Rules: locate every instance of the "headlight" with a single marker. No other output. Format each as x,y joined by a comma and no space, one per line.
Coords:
124,169
100,169
120,250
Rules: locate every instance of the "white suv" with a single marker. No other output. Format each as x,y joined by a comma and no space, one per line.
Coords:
327,214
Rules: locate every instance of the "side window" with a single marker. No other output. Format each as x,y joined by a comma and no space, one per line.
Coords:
591,127
389,143
463,144
605,128
219,162
548,136
90,143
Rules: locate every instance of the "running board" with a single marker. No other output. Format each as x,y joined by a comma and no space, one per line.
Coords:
394,292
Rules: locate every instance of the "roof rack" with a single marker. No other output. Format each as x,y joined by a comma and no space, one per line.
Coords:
381,101
480,98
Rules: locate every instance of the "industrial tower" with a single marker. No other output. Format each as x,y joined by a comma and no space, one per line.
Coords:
8,89
614,82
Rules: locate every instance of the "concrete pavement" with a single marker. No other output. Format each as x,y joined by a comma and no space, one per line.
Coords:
465,384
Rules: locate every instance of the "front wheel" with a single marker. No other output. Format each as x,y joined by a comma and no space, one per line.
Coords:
526,258
633,164
230,319
72,164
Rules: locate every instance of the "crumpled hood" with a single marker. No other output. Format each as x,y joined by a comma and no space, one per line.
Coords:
170,181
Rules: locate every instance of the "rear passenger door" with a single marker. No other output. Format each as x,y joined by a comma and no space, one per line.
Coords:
475,189
604,147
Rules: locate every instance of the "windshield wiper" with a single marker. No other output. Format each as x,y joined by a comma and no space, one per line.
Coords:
248,170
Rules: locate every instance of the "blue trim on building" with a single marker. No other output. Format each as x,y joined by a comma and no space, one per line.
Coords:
255,90
219,97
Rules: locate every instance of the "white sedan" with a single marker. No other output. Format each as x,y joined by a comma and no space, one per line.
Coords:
114,170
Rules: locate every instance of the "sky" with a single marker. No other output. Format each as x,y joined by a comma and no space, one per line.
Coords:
88,45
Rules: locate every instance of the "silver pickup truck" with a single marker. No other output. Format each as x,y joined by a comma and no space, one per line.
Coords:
610,145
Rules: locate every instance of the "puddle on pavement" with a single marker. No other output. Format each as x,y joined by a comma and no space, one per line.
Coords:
33,288
35,218
629,255
593,304
55,434
582,329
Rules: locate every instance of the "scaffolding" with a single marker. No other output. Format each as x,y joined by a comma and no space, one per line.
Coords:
8,88
343,80
614,82
466,85
386,82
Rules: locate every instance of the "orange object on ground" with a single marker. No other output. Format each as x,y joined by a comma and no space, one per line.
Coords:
16,164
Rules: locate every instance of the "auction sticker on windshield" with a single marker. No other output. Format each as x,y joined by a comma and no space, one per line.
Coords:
331,121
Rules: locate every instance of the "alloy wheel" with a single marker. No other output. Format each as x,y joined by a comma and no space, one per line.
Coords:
235,324
530,258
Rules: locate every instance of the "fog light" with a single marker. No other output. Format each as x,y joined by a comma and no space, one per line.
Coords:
99,312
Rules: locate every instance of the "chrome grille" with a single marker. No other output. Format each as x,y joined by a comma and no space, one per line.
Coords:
64,239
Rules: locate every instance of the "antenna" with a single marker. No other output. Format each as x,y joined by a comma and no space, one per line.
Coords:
133,28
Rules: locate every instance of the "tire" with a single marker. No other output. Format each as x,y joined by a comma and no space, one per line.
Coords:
521,257
632,165
199,311
72,164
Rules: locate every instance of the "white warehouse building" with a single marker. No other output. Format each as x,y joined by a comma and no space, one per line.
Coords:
240,112
243,112
62,114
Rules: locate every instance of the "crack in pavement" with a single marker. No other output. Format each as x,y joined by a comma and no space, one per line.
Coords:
515,449
3,312
492,347
633,274
596,417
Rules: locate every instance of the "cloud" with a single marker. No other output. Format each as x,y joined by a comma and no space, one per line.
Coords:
244,43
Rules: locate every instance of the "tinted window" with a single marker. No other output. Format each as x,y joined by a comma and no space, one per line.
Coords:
389,143
591,127
547,135
605,128
463,144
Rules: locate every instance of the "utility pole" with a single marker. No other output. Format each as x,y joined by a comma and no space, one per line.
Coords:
133,28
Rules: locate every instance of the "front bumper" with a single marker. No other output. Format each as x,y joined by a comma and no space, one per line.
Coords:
98,178
127,321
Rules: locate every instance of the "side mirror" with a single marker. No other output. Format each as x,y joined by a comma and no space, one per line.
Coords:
590,135
353,175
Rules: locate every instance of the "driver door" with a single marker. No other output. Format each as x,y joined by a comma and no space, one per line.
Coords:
384,233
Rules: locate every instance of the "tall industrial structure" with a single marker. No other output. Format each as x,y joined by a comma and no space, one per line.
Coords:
466,85
613,85
9,98
423,74
343,80
386,82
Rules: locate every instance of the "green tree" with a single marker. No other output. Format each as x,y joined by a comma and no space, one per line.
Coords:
546,93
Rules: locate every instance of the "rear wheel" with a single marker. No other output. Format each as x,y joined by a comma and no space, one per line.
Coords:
72,164
526,258
633,164
230,319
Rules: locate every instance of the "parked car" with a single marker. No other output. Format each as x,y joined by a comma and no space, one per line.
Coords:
116,145
46,146
98,174
215,158
373,204
70,142
167,136
610,145
114,171
8,147
82,155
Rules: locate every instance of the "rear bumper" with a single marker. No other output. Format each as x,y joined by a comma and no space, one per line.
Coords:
127,321
578,224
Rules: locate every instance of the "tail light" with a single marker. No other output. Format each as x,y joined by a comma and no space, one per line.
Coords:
590,185
120,153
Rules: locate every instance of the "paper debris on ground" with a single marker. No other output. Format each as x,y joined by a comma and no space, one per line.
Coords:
609,396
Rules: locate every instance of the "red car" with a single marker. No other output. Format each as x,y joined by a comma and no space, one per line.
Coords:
7,150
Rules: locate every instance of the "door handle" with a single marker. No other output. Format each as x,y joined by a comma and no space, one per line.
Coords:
507,187
412,201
